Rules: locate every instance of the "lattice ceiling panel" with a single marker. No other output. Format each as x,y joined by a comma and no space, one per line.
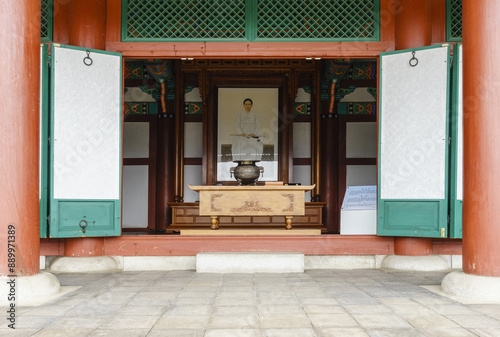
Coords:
186,19
308,19
455,19
45,19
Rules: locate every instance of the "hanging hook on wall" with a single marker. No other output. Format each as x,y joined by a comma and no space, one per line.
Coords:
87,60
413,61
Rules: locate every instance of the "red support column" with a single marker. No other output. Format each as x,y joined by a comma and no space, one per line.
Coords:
481,220
413,22
19,135
87,28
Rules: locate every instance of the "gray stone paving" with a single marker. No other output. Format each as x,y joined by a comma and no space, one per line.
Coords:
370,302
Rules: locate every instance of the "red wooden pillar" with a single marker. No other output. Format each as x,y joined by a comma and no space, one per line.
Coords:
413,22
481,218
19,135
87,28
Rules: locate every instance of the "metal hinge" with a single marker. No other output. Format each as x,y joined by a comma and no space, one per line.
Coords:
443,232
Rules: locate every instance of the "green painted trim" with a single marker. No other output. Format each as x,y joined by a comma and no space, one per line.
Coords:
44,134
383,228
55,222
250,20
124,21
455,204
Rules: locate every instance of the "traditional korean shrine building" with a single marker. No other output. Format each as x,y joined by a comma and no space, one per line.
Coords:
122,105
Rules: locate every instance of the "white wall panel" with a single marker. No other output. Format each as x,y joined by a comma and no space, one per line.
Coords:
361,175
193,140
301,140
302,175
136,140
192,176
361,140
135,196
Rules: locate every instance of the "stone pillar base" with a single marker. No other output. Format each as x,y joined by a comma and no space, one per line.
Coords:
65,264
483,288
415,263
29,290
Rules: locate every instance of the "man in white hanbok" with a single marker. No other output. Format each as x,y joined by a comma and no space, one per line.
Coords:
247,145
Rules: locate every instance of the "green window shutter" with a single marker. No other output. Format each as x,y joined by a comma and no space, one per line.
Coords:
457,139
85,156
413,142
44,128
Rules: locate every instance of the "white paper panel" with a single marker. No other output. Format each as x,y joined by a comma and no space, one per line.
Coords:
136,140
460,140
413,125
135,196
361,175
301,140
361,140
302,175
193,140
87,124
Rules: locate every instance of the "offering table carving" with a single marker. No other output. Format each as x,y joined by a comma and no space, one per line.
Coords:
216,201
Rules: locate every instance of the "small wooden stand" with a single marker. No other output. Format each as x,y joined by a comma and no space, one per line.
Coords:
269,200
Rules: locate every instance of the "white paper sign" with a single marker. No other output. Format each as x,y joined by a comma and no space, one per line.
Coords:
360,197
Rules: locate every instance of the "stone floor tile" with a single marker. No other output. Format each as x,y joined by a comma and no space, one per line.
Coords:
277,301
18,332
318,301
475,321
187,310
238,294
63,333
77,322
323,309
337,332
399,332
228,301
121,332
492,310
232,333
129,322
486,332
424,321
301,332
380,321
141,310
455,332
285,321
29,322
193,301
367,309
93,309
450,309
47,310
272,310
176,333
235,310
234,322
182,322
332,320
